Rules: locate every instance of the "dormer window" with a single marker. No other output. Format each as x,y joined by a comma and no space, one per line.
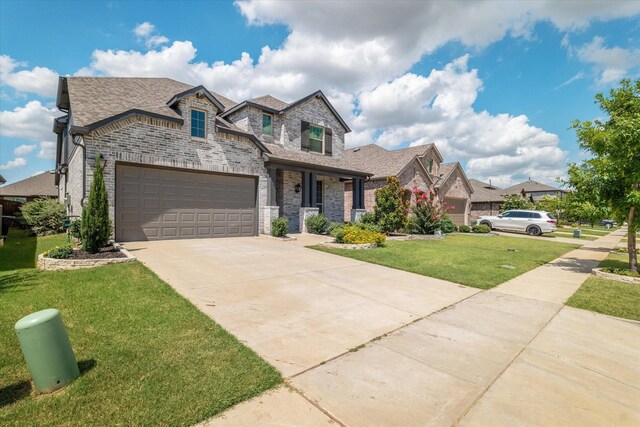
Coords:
317,139
431,166
198,124
267,125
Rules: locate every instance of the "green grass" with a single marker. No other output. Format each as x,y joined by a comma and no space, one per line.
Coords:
147,356
479,261
569,234
609,296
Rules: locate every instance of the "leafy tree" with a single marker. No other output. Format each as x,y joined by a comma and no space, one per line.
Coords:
95,227
515,201
392,206
43,216
613,174
551,204
428,213
588,212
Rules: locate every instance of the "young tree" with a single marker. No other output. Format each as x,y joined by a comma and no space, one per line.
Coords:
613,174
551,204
96,225
392,206
515,201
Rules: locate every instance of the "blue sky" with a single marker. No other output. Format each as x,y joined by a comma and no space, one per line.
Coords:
493,84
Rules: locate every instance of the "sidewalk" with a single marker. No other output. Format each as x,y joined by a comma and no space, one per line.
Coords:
513,355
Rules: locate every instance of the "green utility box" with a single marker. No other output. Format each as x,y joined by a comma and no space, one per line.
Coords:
47,350
577,233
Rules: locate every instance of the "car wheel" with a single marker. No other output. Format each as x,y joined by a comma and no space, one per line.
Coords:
487,223
534,230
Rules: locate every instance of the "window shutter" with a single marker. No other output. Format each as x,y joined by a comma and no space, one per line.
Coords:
328,142
304,136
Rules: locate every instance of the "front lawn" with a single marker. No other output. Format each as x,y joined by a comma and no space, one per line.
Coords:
569,234
479,261
609,296
147,356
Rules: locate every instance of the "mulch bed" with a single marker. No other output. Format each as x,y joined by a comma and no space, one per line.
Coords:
108,252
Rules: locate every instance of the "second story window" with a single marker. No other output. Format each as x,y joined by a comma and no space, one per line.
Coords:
431,166
198,126
267,126
316,138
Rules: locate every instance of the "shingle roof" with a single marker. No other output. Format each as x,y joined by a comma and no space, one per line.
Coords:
269,102
99,98
2,180
530,186
381,162
39,185
444,170
484,192
313,160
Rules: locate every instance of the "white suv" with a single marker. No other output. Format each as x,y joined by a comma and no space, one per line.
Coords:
533,223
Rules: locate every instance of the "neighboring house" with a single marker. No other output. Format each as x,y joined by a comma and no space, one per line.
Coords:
486,199
183,162
419,167
15,194
535,190
2,180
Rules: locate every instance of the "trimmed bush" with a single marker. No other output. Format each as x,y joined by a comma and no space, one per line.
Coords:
367,226
317,224
95,228
279,227
368,218
354,235
392,206
334,227
481,228
446,225
43,216
464,229
59,252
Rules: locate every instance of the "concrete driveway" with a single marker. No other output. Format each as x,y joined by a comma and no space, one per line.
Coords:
296,307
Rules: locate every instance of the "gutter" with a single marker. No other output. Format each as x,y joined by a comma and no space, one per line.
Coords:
84,166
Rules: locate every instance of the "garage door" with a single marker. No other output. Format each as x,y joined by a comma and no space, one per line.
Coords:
157,204
458,213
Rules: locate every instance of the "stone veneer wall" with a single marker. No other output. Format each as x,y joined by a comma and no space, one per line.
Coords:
143,140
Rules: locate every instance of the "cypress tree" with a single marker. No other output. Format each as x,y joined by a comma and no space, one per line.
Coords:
96,225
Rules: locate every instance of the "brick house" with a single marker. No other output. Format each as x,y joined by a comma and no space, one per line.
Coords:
486,199
535,190
183,162
13,195
419,167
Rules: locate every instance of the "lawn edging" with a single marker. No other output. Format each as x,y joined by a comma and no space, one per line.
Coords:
612,276
45,263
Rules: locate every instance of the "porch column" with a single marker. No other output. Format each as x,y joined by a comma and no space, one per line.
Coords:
357,195
309,194
271,187
313,183
270,210
306,190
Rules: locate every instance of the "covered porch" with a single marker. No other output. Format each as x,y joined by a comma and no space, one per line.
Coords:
297,190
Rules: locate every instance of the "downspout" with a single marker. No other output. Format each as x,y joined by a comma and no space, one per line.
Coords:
84,166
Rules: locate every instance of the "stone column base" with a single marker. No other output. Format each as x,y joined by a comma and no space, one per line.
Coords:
269,213
356,214
304,214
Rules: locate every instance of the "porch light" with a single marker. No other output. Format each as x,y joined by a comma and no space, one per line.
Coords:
103,161
297,188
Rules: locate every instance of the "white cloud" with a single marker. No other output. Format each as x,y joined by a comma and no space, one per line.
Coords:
47,150
574,78
147,33
23,149
18,162
39,80
34,122
612,64
37,173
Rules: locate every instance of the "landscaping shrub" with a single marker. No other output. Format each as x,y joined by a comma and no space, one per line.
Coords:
279,227
464,229
367,226
621,271
355,235
428,213
392,206
481,228
334,227
75,228
317,224
43,216
95,228
446,225
368,218
59,252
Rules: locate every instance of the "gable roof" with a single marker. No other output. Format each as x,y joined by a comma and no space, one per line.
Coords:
200,91
446,171
381,162
530,186
269,102
485,192
2,180
273,105
38,185
99,100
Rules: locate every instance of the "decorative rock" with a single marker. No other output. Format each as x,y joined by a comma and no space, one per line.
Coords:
612,276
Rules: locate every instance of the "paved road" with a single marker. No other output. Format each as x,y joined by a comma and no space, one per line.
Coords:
443,355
